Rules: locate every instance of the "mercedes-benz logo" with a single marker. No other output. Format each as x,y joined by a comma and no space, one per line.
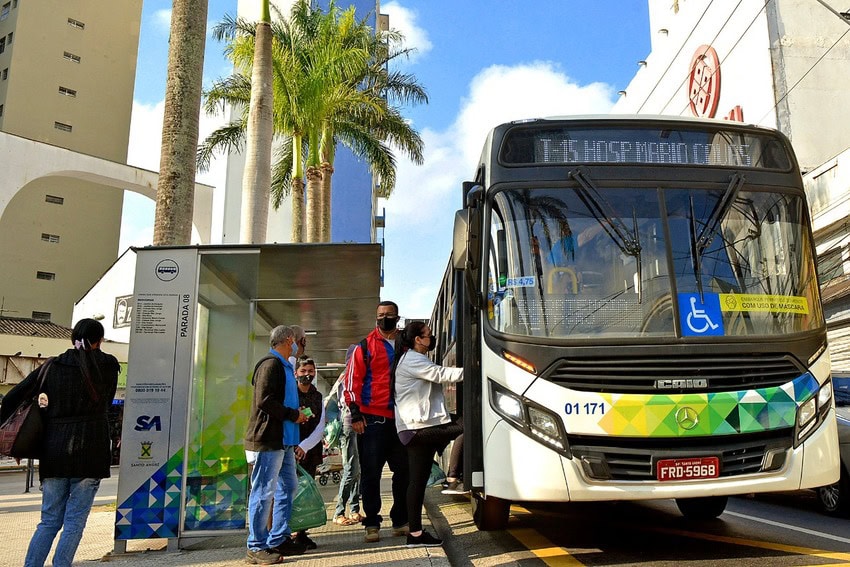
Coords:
687,418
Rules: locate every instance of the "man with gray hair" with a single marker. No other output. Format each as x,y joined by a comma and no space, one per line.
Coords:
301,343
270,440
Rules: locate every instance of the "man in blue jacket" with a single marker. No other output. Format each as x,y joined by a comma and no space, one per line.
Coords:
270,440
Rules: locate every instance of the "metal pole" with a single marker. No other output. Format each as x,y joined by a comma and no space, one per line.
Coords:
30,473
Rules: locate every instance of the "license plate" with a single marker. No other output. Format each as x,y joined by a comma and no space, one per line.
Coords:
687,469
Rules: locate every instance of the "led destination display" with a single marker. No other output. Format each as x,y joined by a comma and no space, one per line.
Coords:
723,148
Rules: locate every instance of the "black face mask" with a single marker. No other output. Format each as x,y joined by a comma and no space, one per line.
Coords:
432,343
388,324
306,379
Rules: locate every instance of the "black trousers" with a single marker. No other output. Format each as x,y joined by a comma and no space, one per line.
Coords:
420,455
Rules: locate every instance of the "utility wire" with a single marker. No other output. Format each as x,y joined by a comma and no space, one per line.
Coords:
681,47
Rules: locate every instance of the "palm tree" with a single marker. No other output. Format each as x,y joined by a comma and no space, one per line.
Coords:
367,131
328,86
256,179
175,189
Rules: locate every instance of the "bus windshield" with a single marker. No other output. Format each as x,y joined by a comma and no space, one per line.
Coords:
626,262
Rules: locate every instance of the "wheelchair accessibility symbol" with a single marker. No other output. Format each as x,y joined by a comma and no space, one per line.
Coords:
698,318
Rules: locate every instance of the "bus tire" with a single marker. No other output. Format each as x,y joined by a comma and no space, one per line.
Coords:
707,508
835,498
490,513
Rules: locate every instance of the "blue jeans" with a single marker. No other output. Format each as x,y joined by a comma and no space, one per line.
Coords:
65,505
349,485
379,445
274,475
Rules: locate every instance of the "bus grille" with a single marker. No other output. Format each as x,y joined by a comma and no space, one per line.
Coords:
693,374
634,459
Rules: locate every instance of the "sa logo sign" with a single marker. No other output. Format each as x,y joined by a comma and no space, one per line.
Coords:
146,423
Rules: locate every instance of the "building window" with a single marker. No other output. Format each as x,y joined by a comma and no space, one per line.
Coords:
9,40
830,266
4,11
62,126
52,238
72,57
54,199
49,276
1,111
67,92
14,3
41,315
76,24
5,73
2,44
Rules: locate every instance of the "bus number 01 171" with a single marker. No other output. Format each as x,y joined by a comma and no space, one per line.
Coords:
587,408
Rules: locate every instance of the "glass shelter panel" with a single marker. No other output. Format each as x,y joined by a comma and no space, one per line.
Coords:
216,490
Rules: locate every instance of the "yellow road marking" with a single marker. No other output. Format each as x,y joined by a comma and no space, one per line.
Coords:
554,555
808,551
541,547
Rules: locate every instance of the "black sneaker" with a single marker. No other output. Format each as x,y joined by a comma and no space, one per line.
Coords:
301,537
455,487
423,540
289,547
262,557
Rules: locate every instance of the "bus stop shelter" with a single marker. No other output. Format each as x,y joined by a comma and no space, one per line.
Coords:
202,318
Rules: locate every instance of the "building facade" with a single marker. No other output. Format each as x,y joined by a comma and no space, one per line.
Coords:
67,72
781,64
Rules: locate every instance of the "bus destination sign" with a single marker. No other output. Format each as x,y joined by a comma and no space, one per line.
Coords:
530,146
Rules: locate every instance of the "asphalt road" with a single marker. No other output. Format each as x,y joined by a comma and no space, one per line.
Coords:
782,529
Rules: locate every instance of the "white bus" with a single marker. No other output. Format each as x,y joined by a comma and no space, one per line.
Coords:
635,303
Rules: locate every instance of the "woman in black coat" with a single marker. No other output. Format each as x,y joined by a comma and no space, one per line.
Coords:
78,389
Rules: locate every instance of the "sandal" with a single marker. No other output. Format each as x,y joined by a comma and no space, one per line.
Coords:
343,521
356,518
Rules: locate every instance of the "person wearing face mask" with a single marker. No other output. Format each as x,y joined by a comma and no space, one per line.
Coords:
270,441
309,451
422,419
299,347
368,393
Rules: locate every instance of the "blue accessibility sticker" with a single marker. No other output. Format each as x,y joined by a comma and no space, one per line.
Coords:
700,317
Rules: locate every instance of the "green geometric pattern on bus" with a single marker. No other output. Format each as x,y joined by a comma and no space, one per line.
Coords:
216,471
153,510
720,413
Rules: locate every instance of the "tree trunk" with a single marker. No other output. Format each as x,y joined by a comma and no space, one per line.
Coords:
257,178
297,194
314,202
327,176
175,191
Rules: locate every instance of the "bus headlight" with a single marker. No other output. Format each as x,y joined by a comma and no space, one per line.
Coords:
811,414
531,418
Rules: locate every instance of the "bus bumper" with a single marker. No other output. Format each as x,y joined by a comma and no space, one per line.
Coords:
537,473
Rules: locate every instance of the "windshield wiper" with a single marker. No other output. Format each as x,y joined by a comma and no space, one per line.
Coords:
627,241
700,242
709,229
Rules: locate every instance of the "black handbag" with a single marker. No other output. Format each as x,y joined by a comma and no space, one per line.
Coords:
21,433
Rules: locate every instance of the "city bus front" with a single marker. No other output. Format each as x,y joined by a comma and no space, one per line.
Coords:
649,331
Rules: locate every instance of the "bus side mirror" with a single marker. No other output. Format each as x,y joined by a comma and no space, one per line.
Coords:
459,251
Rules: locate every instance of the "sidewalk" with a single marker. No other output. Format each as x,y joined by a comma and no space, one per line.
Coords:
337,545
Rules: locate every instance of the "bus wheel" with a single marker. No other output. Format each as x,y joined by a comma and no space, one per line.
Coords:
706,508
835,498
490,513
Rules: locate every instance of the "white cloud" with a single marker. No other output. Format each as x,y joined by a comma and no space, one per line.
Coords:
404,20
420,212
162,20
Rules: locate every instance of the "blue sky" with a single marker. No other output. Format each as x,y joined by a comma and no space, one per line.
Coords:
483,62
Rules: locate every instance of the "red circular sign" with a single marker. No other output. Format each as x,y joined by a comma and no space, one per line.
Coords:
704,82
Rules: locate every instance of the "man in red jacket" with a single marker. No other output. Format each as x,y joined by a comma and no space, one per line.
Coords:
368,392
